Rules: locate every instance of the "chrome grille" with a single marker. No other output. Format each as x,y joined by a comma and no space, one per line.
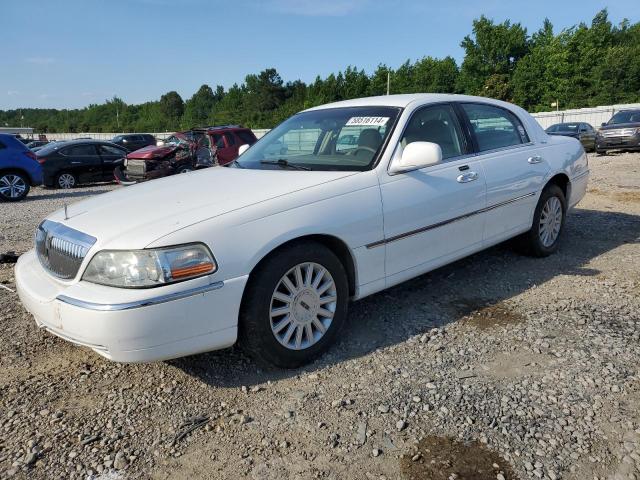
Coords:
621,132
61,249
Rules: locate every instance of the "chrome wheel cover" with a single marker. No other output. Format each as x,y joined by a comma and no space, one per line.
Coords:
12,186
66,180
550,221
302,306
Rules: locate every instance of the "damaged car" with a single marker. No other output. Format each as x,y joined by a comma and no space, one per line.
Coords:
184,152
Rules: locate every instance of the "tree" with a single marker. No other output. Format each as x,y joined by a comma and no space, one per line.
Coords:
199,108
492,50
172,108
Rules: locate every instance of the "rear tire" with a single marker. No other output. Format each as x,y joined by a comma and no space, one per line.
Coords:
548,224
601,152
14,186
294,305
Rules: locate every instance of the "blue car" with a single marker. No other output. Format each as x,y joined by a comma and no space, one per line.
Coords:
19,169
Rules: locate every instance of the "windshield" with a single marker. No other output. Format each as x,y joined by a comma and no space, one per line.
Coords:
564,127
631,116
330,139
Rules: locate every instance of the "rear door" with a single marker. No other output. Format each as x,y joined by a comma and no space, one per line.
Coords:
112,157
514,165
83,161
587,136
227,147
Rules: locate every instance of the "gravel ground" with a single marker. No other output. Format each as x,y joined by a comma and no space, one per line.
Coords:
507,366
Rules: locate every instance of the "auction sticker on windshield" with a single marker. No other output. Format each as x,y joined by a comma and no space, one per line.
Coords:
367,121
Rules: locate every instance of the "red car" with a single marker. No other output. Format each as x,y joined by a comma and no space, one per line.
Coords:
186,151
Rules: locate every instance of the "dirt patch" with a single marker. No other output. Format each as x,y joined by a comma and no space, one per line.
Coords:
484,314
441,458
622,197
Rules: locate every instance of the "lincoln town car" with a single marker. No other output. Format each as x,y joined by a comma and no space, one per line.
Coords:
336,203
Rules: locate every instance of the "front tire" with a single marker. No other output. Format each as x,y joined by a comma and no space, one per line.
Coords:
294,306
14,186
548,223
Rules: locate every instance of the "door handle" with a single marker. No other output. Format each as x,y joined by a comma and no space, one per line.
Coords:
535,159
467,177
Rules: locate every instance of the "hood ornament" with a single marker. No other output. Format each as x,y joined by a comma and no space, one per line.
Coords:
66,216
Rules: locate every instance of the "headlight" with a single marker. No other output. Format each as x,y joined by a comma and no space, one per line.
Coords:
149,267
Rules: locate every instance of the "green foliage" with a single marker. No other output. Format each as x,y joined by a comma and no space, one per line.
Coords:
586,65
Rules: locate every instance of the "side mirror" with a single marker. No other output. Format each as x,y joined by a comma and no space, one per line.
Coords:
243,148
603,124
417,155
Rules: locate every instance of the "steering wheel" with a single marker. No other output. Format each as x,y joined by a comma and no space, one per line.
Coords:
353,152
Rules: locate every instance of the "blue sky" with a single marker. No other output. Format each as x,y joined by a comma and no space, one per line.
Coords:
70,53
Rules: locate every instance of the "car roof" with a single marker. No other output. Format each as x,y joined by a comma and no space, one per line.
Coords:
404,100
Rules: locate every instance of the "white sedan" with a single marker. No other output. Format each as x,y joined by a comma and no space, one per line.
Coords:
357,197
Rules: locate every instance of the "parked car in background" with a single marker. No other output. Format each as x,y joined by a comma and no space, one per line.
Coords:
186,151
134,141
19,169
37,143
67,164
579,130
622,132
272,250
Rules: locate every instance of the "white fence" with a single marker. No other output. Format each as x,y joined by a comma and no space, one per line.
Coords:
594,116
109,135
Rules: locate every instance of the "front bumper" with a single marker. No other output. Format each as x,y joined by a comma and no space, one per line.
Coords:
618,143
127,325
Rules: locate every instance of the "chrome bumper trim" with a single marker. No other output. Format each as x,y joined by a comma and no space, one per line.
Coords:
116,307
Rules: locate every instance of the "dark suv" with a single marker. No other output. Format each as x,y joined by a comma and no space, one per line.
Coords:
622,132
66,164
134,141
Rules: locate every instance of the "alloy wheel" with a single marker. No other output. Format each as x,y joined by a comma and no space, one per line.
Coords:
12,186
550,221
66,180
302,306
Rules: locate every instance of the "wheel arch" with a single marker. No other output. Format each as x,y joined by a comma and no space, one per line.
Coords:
333,243
561,180
19,170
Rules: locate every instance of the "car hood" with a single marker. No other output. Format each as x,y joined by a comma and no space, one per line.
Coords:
133,217
152,152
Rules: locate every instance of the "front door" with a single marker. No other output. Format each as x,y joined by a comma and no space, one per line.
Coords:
83,161
515,167
435,214
112,157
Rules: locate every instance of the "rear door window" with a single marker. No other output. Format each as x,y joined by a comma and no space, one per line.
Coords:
494,127
79,150
245,137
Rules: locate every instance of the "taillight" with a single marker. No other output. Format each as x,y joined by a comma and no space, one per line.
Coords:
31,155
41,160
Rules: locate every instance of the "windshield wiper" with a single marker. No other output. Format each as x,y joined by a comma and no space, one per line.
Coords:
281,162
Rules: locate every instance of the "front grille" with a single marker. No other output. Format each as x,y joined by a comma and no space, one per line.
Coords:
61,249
136,168
621,132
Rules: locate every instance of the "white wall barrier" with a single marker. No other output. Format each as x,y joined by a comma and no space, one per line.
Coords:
594,115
